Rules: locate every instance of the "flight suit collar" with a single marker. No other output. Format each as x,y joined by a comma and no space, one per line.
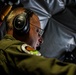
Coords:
7,36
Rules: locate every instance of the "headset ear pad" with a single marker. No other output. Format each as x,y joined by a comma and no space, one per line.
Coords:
21,24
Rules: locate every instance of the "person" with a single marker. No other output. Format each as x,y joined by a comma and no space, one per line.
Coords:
18,54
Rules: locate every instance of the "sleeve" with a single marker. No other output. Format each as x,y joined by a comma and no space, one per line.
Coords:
29,64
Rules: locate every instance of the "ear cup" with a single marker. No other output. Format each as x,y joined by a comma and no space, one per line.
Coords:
21,24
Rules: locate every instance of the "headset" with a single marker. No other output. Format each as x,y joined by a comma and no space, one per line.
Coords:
21,23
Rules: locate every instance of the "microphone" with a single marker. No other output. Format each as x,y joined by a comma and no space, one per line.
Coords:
38,48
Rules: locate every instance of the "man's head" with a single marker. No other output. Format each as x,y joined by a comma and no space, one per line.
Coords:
33,36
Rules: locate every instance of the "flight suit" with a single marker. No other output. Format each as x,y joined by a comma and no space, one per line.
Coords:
18,58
